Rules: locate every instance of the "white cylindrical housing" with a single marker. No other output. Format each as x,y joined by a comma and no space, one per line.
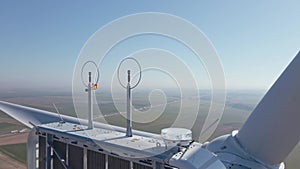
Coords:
272,130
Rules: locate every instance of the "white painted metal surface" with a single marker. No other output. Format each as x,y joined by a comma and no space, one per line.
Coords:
272,130
135,147
128,112
110,140
31,148
90,103
31,116
176,134
195,157
230,152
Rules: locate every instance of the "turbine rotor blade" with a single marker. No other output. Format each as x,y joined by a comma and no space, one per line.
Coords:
272,130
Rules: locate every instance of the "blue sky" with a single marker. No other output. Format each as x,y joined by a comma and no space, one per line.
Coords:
40,40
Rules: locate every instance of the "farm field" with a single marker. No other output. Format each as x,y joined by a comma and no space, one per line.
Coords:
238,107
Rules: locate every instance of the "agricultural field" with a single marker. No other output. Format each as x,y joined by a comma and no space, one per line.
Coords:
238,107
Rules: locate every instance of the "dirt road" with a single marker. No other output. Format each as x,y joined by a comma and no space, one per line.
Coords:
14,139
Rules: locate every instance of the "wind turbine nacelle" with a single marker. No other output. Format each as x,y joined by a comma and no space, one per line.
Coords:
195,157
228,149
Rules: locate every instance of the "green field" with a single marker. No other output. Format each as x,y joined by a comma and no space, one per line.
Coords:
15,151
238,107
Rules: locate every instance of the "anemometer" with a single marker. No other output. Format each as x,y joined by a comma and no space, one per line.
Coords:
128,88
94,85
89,87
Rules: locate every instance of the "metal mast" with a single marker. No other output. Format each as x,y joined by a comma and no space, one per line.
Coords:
90,103
89,87
129,101
128,91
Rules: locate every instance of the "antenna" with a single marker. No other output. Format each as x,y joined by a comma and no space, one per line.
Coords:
128,91
89,87
61,119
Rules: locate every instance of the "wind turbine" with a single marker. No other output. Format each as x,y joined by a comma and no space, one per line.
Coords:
264,141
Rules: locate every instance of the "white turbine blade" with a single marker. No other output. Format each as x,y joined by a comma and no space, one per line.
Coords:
27,115
272,130
31,116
